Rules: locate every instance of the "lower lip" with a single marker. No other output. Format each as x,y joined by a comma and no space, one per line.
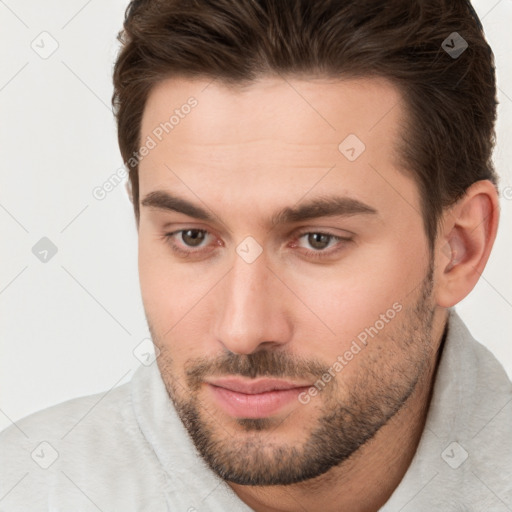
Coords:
258,405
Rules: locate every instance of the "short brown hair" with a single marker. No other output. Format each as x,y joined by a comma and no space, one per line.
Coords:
450,102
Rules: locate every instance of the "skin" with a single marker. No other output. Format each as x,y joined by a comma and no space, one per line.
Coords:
244,153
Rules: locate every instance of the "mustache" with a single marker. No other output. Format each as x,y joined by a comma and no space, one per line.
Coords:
264,363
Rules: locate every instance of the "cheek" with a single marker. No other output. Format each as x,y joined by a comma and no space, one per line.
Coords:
174,293
151,271
160,283
371,289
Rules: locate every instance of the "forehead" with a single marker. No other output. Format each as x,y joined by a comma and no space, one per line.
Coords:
308,111
275,136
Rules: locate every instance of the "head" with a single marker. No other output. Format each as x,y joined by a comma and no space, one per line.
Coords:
313,187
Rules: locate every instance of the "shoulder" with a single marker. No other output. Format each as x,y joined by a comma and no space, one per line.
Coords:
84,442
472,419
79,416
483,373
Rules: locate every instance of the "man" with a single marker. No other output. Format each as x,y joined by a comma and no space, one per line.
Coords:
314,193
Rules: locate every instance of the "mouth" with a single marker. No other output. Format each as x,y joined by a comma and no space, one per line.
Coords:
254,399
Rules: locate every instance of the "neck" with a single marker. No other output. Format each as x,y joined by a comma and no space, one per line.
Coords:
365,481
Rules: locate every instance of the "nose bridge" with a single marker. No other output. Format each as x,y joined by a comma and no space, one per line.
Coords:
250,312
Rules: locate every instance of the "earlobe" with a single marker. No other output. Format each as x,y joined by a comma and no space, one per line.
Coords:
466,241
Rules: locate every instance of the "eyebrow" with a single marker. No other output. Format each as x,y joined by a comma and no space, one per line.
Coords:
326,206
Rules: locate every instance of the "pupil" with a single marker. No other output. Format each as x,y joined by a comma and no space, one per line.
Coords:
318,240
193,239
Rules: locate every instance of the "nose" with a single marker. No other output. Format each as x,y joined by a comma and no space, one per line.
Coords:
253,308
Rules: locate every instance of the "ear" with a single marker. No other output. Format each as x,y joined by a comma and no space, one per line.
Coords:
467,233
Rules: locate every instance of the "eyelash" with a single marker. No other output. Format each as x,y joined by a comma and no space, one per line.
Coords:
318,254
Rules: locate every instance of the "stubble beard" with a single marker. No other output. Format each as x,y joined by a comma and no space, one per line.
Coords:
249,454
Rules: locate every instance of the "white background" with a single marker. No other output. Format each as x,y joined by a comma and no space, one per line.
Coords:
69,326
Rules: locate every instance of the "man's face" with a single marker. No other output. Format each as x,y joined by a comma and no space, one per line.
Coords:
345,296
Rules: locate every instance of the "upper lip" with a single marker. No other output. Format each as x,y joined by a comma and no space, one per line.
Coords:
255,386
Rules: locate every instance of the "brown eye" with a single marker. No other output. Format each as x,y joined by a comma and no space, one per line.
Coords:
321,245
188,243
319,240
193,237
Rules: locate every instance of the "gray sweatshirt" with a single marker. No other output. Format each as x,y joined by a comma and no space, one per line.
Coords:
127,450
